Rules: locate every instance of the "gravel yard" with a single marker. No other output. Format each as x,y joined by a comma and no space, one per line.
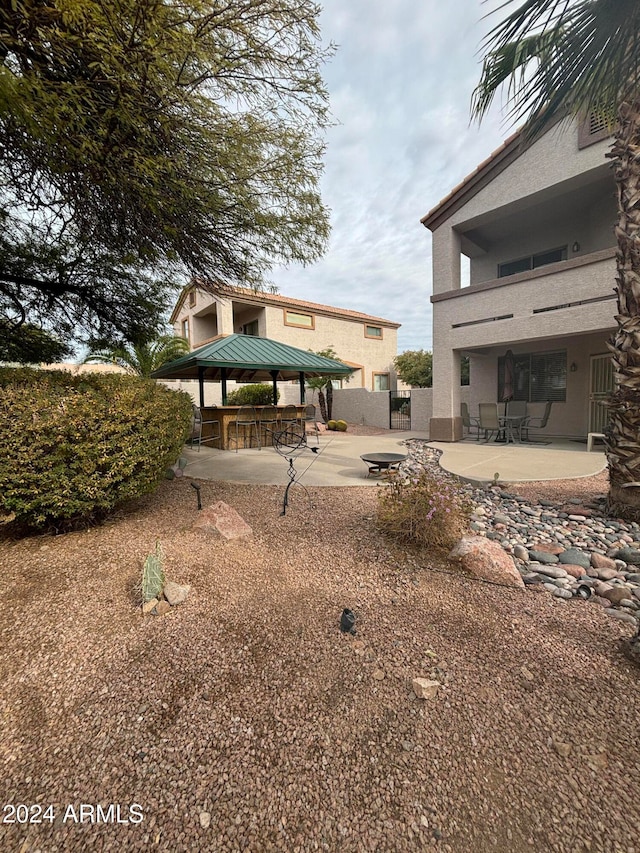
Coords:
244,719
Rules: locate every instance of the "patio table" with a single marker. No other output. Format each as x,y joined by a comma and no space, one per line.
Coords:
511,423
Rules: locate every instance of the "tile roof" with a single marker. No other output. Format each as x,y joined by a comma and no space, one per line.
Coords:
264,297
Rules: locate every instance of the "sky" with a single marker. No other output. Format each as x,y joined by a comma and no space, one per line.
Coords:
400,86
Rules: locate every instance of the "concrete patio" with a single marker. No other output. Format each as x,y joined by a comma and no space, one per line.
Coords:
558,460
338,461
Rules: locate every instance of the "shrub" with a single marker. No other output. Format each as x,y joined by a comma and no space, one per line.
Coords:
74,447
252,395
426,510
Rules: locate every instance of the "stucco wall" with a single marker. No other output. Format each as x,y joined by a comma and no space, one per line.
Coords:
345,335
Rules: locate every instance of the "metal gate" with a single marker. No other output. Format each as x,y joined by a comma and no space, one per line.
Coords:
601,385
400,409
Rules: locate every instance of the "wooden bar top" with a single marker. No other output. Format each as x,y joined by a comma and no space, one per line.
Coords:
226,416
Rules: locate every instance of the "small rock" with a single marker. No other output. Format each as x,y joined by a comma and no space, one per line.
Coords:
378,674
205,820
575,558
616,594
174,593
148,606
162,608
621,616
526,673
563,749
543,557
599,561
424,688
574,571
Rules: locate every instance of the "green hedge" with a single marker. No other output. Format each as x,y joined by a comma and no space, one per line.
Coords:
74,447
252,395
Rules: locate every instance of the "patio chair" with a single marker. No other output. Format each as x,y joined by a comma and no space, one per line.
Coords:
489,422
246,417
468,422
196,429
309,417
535,423
268,422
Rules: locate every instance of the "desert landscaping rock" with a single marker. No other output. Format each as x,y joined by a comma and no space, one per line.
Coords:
485,559
175,593
247,704
551,540
223,519
149,606
425,688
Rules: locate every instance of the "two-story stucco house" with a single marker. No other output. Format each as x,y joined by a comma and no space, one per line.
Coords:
536,222
367,343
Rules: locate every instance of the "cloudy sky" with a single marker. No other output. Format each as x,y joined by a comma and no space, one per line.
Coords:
400,86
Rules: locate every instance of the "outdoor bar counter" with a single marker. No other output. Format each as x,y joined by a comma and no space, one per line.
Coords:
226,415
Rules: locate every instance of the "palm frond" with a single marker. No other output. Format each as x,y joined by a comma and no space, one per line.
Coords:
562,56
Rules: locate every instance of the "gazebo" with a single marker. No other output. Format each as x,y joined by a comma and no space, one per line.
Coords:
245,358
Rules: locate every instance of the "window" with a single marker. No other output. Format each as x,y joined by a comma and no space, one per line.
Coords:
185,329
251,329
192,298
464,370
538,377
381,382
532,262
302,321
373,332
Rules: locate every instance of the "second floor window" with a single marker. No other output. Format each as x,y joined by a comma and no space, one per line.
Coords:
185,329
532,262
303,321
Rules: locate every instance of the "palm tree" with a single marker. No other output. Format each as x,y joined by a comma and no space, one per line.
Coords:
324,385
576,57
144,357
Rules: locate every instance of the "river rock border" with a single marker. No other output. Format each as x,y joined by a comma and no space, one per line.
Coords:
572,550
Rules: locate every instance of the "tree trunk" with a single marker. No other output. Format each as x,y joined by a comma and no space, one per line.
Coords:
623,431
323,405
329,400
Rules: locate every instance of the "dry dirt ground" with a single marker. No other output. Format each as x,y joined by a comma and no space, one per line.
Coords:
244,719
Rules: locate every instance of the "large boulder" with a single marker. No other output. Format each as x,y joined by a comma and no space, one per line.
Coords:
486,559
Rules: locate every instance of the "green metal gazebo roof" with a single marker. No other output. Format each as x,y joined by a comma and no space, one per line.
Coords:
245,358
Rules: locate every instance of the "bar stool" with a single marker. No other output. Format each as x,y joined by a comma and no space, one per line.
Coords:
288,417
196,429
309,417
268,421
246,417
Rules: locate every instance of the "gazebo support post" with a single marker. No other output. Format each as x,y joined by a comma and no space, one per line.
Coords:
274,379
223,382
201,385
301,388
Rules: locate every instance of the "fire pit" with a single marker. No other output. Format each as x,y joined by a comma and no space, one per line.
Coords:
382,463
